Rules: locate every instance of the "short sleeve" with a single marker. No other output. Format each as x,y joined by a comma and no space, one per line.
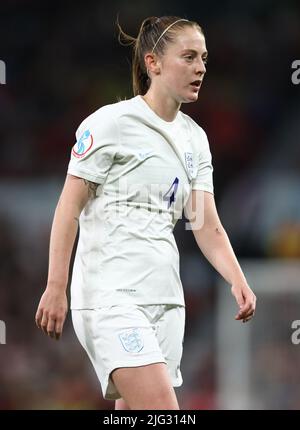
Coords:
204,178
95,148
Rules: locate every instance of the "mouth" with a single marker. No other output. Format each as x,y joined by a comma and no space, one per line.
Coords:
196,84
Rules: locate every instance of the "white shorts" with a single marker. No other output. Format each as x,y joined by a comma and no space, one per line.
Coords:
129,336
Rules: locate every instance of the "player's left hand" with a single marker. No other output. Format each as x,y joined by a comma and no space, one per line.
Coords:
246,301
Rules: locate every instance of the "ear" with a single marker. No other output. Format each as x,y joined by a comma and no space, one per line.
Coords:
152,63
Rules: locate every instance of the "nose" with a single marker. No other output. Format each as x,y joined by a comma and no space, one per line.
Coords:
201,69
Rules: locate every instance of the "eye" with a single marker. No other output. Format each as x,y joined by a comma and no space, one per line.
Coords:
188,57
205,60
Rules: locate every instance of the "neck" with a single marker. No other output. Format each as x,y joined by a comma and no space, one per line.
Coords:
164,106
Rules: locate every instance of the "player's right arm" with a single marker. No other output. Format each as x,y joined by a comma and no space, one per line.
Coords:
53,306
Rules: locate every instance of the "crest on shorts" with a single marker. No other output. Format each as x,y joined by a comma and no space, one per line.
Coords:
132,340
83,145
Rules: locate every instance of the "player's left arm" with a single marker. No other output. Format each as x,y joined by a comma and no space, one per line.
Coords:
214,243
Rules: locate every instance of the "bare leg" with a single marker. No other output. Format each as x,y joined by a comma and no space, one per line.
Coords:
146,387
120,405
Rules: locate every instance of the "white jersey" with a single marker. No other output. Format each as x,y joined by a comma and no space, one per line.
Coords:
146,168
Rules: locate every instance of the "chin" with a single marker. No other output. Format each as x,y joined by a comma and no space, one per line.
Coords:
190,99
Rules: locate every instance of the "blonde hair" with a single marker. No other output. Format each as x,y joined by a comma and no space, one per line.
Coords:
154,36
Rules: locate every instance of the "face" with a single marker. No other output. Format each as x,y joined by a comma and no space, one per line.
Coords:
182,66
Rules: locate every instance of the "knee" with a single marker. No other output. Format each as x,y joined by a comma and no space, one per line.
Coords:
164,399
121,405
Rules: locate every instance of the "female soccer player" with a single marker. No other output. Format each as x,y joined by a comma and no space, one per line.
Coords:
136,165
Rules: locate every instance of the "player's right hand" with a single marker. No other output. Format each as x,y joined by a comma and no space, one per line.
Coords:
51,312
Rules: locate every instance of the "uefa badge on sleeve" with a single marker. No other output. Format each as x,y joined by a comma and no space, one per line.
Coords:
83,145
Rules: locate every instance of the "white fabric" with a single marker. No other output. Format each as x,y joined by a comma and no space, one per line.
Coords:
130,336
126,251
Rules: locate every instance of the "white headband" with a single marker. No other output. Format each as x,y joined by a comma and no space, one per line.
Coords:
173,23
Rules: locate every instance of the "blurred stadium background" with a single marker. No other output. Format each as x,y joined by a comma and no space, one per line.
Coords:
63,61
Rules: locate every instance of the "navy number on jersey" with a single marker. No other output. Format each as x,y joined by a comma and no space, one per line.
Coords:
171,193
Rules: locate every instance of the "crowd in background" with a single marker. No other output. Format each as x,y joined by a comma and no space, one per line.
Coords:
63,61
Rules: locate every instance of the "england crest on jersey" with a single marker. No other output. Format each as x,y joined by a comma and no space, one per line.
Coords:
132,340
189,162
